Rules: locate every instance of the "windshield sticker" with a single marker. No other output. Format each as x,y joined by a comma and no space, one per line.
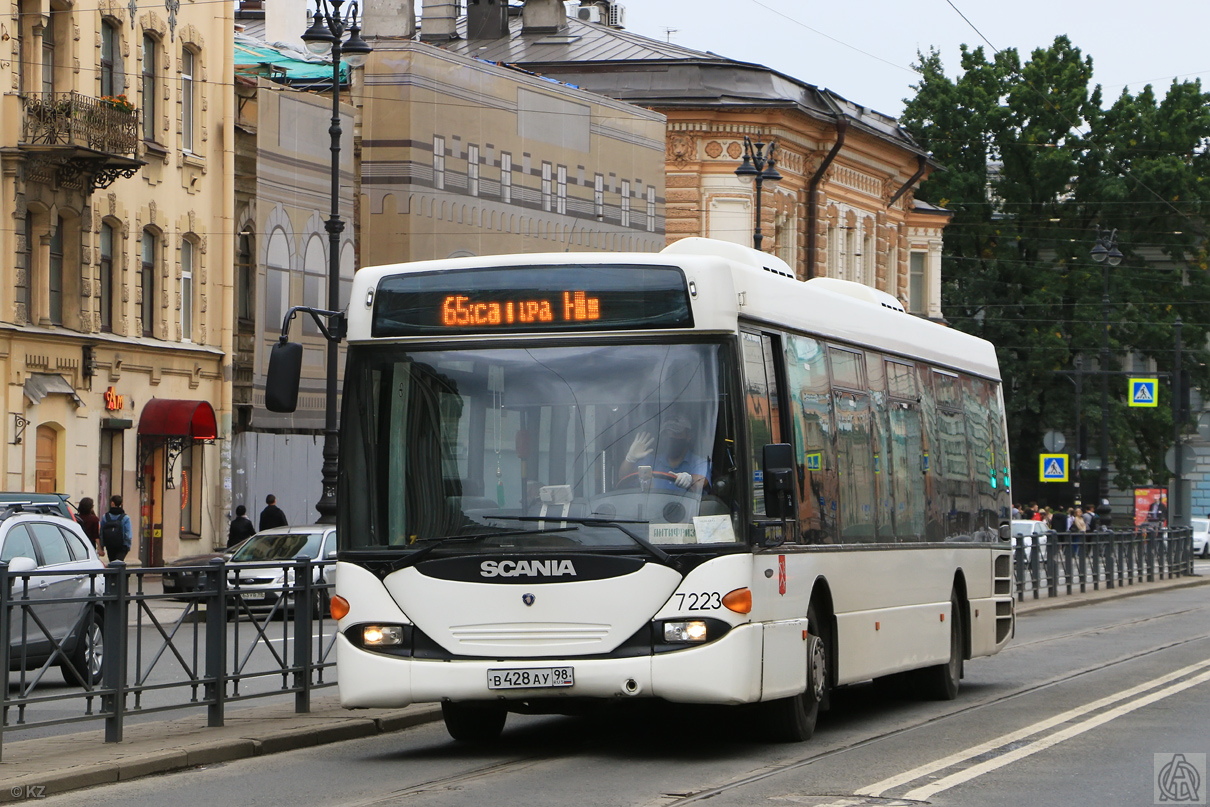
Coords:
673,534
714,529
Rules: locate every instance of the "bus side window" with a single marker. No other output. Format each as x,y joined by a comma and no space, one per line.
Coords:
809,408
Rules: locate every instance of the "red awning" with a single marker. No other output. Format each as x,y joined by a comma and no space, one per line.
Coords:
164,417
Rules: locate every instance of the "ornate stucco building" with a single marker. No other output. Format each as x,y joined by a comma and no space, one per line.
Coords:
115,215
845,205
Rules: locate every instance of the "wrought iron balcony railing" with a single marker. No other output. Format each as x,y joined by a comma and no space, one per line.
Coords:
72,119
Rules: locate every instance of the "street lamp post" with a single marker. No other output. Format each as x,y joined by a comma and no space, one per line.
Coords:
760,166
326,33
1106,253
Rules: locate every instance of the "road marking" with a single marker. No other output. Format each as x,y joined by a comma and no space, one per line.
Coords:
924,792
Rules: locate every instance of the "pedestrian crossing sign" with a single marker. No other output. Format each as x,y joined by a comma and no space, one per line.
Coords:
1142,392
1053,468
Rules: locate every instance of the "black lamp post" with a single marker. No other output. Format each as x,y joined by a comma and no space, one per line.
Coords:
1106,253
762,167
327,34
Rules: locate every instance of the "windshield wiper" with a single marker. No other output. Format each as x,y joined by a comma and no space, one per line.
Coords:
657,553
433,543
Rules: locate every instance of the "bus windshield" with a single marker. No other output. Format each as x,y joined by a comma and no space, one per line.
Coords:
537,447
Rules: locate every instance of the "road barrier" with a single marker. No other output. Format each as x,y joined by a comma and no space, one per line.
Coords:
230,640
1067,563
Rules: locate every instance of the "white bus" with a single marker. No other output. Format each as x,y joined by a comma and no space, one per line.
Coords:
568,479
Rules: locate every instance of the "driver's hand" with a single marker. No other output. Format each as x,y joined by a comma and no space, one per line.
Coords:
684,480
642,446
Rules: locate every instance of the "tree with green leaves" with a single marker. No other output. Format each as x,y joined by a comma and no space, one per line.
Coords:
1035,168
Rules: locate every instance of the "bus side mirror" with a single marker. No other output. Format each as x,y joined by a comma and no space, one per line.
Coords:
285,370
779,480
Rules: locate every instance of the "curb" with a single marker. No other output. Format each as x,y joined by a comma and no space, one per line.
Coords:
1090,597
123,762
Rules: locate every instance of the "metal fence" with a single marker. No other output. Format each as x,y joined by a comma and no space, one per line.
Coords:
1076,562
227,641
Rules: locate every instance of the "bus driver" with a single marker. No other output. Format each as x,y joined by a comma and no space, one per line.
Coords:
682,468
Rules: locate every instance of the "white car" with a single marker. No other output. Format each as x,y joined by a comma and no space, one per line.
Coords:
1201,530
49,558
260,585
1030,533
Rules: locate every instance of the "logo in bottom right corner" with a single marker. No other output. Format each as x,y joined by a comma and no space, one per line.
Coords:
1180,779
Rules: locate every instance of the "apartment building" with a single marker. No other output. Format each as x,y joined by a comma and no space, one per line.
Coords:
116,245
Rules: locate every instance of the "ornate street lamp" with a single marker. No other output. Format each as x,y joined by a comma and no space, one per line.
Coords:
760,166
1106,253
327,34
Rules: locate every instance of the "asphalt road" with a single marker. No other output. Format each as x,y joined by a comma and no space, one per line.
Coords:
1103,705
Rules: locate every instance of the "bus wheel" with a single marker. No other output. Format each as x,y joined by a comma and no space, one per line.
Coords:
940,683
473,722
792,720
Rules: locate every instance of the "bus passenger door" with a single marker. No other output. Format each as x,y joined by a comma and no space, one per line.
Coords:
763,415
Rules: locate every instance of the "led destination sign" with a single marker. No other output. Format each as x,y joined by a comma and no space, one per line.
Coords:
532,299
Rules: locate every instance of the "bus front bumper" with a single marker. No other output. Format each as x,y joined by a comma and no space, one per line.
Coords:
726,671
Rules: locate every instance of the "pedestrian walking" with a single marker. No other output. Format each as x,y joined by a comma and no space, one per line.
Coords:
91,523
116,531
272,516
241,527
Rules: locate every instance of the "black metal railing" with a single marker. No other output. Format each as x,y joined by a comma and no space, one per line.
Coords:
227,641
71,119
1076,562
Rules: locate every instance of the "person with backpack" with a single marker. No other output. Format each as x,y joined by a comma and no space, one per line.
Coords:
116,531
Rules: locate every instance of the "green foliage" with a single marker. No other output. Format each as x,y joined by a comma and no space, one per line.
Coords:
1033,165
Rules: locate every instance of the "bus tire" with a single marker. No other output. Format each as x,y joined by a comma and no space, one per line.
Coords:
941,682
473,722
793,719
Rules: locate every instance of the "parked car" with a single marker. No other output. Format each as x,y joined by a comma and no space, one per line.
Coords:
1030,533
36,540
1201,531
183,575
261,587
59,500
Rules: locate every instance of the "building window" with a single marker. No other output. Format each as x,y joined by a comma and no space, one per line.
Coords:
561,190
147,87
472,170
186,290
917,304
438,162
651,208
25,293
54,274
546,190
111,73
106,277
245,271
187,98
506,178
598,197
147,274
625,202
191,513
48,54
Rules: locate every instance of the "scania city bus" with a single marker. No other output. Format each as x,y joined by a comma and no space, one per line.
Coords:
568,479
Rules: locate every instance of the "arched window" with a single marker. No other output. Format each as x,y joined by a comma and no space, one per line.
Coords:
149,250
188,100
106,278
187,259
148,85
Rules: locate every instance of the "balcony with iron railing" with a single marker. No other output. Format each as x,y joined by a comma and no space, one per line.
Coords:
81,135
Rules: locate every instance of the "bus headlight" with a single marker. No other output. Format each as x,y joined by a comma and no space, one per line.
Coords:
687,632
381,635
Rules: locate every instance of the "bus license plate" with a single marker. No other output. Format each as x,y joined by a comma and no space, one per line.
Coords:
537,678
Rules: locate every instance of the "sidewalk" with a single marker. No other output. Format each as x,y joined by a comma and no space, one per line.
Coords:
51,765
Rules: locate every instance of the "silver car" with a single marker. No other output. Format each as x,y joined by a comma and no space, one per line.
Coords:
1201,527
257,569
49,560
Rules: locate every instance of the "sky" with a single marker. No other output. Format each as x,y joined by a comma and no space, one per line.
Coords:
863,51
